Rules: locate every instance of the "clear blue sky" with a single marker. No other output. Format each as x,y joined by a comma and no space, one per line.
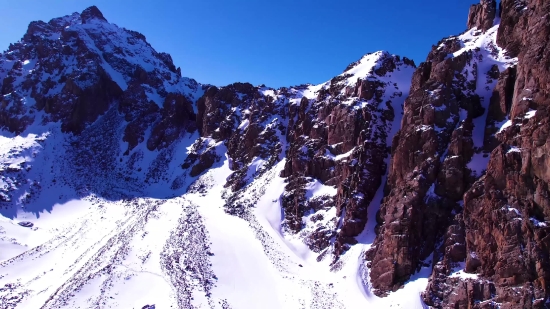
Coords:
277,43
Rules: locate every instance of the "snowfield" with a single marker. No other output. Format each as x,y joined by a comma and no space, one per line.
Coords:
181,252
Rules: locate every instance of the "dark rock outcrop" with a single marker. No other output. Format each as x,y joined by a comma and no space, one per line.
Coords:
501,235
335,137
482,15
76,73
428,172
320,131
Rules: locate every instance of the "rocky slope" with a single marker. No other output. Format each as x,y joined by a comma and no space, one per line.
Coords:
346,194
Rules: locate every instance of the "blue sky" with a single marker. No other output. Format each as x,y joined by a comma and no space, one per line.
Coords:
277,43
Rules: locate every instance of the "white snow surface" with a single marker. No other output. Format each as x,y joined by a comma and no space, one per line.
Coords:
89,252
487,54
459,272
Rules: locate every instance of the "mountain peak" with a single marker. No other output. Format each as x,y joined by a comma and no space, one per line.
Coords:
371,61
91,13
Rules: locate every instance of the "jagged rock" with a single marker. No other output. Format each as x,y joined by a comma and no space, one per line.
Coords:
501,103
92,13
505,211
482,15
338,144
89,86
346,131
431,156
513,23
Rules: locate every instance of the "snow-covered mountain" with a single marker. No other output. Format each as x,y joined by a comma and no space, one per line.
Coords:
125,185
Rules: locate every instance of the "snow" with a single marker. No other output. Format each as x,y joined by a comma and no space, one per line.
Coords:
316,188
238,260
65,238
339,157
530,114
366,65
512,209
254,167
485,42
538,223
152,95
506,124
244,125
115,75
478,164
460,272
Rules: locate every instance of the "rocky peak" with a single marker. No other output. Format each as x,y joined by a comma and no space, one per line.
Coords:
482,15
378,63
70,63
92,13
360,77
334,135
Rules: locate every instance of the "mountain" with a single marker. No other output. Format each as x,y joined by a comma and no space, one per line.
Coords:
125,185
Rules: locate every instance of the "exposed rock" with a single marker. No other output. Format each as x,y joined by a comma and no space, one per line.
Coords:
92,13
482,15
501,103
428,172
320,130
532,87
503,225
513,23
336,137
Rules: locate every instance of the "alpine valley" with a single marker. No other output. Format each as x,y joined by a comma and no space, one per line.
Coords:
125,185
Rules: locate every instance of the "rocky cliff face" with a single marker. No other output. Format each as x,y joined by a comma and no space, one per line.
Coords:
448,159
437,154
472,107
334,136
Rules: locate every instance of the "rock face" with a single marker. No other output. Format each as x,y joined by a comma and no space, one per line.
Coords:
334,136
341,138
440,207
505,210
79,68
482,15
76,67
